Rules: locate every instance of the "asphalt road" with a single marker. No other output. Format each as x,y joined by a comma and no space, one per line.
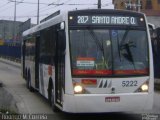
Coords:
34,103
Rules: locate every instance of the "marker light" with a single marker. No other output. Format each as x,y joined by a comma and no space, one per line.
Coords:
144,87
78,89
70,17
141,19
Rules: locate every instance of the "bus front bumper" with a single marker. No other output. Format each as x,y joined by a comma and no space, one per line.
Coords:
99,103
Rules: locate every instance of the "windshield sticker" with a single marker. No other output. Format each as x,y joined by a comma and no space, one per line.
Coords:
85,62
114,33
108,43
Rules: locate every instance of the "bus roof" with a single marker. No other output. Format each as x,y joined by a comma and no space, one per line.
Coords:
45,24
111,11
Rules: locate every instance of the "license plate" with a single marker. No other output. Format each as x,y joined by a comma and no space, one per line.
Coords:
112,99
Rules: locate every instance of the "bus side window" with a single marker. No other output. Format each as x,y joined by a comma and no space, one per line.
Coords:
47,46
61,40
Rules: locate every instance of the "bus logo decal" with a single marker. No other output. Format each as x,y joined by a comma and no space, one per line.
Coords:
105,83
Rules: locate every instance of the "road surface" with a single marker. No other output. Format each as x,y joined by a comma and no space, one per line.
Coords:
34,103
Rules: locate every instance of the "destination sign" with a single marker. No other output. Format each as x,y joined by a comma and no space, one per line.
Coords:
117,20
105,20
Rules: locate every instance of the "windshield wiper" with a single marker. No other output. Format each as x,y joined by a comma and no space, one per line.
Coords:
98,43
93,35
127,46
129,55
124,36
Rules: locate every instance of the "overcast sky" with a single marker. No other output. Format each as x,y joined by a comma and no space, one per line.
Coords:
28,8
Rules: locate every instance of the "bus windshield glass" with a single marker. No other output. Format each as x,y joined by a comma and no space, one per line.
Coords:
109,52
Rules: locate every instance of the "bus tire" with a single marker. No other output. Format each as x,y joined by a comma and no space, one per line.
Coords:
51,93
29,84
24,74
27,81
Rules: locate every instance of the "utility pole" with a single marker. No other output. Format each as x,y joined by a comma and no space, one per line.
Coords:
4,31
139,6
99,4
15,9
38,13
14,28
130,4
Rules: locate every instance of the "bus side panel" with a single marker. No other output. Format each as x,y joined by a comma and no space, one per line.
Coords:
47,59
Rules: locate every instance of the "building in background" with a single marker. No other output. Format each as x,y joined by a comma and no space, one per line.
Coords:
24,26
150,7
9,29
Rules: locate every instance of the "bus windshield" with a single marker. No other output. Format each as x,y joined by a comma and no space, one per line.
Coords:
109,52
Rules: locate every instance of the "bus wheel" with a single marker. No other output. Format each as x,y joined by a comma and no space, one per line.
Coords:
29,84
54,108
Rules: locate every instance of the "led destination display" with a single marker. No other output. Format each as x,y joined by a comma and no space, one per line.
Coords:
105,20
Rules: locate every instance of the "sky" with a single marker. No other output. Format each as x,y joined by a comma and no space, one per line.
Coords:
26,9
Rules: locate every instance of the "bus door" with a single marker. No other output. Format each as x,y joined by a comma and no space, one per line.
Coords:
60,66
37,62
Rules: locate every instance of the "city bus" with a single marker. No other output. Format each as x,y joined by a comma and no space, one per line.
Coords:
152,29
91,61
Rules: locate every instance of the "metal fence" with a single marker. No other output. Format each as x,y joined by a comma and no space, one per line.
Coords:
11,51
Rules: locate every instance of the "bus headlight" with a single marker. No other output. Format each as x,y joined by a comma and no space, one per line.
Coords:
78,89
144,87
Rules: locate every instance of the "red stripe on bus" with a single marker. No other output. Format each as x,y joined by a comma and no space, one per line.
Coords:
109,72
92,72
144,71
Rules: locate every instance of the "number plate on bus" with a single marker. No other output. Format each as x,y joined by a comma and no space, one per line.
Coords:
112,99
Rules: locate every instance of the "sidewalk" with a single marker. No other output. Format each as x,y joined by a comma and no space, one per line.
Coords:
9,62
26,102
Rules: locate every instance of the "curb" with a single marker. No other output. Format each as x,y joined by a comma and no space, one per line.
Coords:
15,64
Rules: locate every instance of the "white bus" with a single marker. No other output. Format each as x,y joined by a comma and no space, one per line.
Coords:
91,61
